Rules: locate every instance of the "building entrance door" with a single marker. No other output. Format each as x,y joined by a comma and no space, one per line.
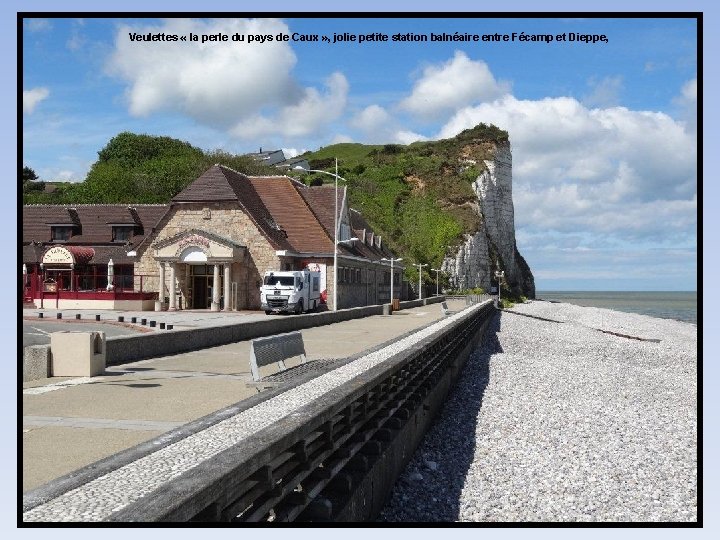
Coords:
201,282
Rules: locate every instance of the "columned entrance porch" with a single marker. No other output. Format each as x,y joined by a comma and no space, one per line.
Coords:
199,265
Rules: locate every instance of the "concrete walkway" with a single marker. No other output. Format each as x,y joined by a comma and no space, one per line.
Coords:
69,423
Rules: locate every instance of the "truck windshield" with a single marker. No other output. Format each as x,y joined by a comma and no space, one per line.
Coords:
287,281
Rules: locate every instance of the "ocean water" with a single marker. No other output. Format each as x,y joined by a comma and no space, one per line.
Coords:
681,306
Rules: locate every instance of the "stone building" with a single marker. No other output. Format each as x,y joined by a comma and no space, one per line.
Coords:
209,248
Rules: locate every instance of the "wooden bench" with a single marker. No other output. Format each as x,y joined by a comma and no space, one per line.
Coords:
266,351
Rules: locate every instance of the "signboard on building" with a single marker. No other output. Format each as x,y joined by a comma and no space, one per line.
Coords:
50,286
58,255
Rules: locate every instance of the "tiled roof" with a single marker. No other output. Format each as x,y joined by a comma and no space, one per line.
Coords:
96,221
220,183
282,197
320,199
216,184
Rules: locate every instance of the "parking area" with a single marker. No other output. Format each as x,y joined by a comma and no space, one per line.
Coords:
36,330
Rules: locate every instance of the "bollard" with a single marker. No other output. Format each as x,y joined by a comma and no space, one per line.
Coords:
58,316
121,318
169,326
40,315
97,317
162,326
152,324
78,316
143,321
133,320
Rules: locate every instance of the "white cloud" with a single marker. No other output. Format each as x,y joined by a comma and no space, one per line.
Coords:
689,90
370,119
340,138
605,92
447,87
75,42
293,152
407,137
687,104
312,113
244,88
37,25
32,97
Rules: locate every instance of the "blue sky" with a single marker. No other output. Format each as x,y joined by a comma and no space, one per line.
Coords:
603,135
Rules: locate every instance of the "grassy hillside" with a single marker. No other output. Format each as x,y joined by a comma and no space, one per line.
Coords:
418,197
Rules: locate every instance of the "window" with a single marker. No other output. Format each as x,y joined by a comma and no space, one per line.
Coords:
286,281
122,233
315,284
124,275
61,233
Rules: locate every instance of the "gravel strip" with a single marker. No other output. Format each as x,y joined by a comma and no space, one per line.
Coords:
561,422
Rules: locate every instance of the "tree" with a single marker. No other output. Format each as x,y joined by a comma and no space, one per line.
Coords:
28,174
135,168
28,181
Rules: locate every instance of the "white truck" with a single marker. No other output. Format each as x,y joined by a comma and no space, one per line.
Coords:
292,291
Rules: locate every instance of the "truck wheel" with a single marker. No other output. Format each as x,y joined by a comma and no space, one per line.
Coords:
268,312
299,307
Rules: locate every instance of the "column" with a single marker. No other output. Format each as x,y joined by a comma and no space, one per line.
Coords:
161,288
226,288
215,306
173,301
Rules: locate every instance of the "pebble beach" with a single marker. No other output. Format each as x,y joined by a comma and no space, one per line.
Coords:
563,414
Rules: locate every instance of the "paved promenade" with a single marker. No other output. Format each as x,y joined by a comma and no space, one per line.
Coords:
70,423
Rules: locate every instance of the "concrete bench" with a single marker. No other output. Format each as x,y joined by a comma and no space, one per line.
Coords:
276,349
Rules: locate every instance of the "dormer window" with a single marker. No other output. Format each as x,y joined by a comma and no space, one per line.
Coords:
122,233
61,233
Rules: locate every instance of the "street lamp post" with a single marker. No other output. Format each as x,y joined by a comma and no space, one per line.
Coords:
499,275
335,240
437,281
420,266
392,274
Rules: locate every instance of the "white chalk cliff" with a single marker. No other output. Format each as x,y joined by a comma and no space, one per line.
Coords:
493,246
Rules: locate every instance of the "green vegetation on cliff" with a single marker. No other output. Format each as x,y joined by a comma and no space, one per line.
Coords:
419,197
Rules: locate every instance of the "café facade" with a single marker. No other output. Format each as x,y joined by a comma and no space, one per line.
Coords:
206,250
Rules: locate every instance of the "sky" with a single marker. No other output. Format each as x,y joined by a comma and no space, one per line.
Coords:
603,135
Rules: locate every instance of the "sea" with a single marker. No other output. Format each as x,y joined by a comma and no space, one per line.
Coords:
681,306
